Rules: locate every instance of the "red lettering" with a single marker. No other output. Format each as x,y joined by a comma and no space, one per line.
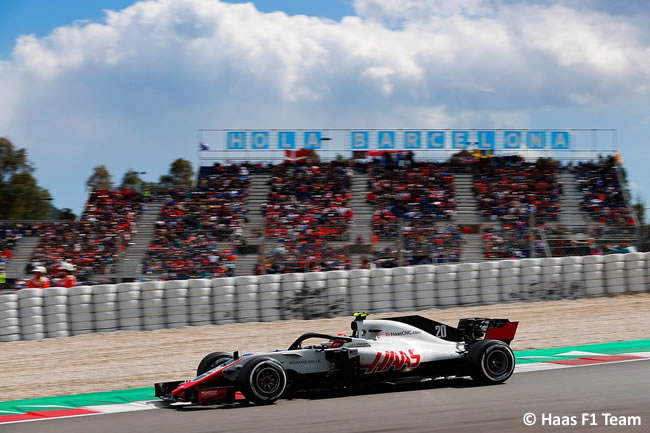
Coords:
371,367
405,358
415,357
391,359
398,361
383,363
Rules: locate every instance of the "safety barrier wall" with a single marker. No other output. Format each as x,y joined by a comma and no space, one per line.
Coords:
33,314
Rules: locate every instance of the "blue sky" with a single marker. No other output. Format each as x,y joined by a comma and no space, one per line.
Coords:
19,17
130,88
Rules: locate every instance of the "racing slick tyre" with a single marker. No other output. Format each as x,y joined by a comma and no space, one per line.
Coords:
262,381
211,361
491,362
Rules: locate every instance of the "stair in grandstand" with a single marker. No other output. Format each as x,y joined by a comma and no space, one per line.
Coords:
130,259
361,224
473,248
571,215
362,219
246,264
466,204
21,255
258,194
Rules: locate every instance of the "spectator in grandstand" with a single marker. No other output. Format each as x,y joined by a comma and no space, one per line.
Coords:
92,244
194,225
508,188
624,248
305,256
420,191
511,241
594,248
39,281
425,243
306,209
366,264
603,196
386,258
11,234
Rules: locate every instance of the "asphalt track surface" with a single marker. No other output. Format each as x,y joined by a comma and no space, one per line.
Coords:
622,389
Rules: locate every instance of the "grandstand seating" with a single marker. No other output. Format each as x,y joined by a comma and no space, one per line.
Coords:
94,242
511,241
307,217
412,197
11,233
425,243
507,188
603,196
306,211
420,191
193,222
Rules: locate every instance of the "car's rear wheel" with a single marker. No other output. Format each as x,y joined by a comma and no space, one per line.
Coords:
491,361
262,380
211,361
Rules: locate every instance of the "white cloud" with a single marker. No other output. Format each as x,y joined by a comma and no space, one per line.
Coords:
142,81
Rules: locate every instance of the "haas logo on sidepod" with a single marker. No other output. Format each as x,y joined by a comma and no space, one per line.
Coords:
396,360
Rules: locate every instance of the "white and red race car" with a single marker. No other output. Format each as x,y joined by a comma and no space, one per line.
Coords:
385,350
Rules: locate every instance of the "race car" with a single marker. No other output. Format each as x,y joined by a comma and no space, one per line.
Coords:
386,350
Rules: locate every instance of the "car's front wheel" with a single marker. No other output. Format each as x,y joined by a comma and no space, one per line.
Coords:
262,380
491,361
211,361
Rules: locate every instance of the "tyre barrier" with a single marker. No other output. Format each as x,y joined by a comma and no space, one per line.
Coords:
34,314
176,304
153,305
9,322
55,308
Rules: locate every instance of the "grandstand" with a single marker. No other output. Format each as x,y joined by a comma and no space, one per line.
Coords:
384,210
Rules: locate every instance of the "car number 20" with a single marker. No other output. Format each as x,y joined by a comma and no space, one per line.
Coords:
441,331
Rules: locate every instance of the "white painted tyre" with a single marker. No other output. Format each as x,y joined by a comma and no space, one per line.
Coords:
9,305
80,308
81,318
30,302
36,328
106,315
58,334
56,318
176,310
9,330
149,286
153,303
8,313
130,304
55,291
200,291
175,292
9,322
220,282
128,296
130,322
80,290
34,336
153,294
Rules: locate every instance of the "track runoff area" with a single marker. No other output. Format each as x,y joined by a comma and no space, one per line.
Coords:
556,396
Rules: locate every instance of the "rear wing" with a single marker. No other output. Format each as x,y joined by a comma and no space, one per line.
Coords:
474,329
469,330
